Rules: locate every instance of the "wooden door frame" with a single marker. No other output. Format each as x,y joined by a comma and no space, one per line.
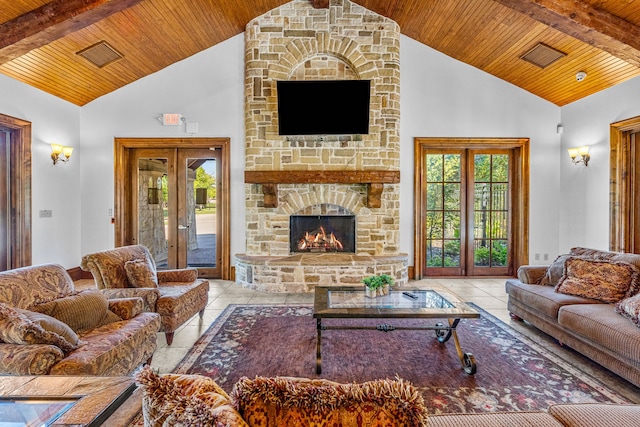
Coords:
122,146
20,197
624,193
519,192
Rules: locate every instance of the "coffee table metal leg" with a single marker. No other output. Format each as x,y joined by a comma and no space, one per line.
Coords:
319,346
467,359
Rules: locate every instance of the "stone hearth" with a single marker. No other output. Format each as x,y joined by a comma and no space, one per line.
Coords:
302,272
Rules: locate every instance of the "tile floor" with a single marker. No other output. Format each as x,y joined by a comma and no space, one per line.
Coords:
488,294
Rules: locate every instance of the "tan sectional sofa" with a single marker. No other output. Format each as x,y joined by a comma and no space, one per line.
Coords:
174,400
46,327
587,325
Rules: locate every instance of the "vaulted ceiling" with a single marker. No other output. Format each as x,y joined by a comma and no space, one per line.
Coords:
42,41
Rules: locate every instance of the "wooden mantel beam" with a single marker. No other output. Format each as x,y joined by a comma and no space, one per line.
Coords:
373,179
52,21
320,4
586,23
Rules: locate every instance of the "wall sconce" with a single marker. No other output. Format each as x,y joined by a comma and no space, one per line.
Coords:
60,153
582,152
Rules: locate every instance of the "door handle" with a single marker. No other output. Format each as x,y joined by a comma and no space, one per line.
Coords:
183,227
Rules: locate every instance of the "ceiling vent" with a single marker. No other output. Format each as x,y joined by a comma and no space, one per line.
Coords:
542,55
100,54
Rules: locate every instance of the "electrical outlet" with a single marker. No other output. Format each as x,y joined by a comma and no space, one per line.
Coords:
46,213
110,212
537,257
546,257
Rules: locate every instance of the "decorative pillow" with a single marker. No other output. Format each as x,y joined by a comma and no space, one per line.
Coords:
141,273
606,281
278,401
19,326
630,308
173,399
83,311
554,271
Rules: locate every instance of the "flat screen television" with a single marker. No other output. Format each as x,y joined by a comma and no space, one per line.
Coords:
323,107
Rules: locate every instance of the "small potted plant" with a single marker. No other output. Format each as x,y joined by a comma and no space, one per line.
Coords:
377,285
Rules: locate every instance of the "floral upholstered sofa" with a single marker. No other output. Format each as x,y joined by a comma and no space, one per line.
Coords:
589,300
177,295
194,400
46,327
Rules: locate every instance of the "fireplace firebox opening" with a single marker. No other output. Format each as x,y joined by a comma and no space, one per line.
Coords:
322,233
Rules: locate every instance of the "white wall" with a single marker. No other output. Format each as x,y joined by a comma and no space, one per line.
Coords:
442,97
55,188
585,190
207,88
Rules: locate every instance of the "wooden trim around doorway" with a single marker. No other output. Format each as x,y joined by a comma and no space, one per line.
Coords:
519,192
20,193
624,194
121,160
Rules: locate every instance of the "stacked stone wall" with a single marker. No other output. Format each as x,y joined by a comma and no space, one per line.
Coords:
298,42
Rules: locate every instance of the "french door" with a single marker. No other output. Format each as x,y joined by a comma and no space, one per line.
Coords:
175,205
467,219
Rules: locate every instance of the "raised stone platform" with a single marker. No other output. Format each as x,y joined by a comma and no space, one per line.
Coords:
302,272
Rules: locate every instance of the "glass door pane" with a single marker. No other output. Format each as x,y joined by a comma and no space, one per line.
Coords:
443,216
490,210
198,219
153,208
201,248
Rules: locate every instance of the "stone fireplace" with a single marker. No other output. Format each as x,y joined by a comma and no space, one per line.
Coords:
320,175
322,229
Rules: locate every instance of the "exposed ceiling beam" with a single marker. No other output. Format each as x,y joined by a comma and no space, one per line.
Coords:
52,21
586,23
320,4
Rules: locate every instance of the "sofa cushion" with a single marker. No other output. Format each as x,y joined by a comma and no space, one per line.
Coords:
599,324
82,311
630,308
498,419
19,326
172,399
141,273
592,253
26,286
287,401
543,299
114,349
606,281
607,255
596,414
554,271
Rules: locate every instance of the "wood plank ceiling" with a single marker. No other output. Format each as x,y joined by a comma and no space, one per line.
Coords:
40,39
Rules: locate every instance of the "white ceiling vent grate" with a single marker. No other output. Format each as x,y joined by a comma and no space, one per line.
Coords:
542,55
100,54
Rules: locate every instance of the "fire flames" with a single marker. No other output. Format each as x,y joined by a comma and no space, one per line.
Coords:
319,240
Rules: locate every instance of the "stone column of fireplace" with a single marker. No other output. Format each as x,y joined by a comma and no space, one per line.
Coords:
298,42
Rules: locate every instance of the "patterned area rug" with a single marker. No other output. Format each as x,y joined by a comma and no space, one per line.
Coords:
513,372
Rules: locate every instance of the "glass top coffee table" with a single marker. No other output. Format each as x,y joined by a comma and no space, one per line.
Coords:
350,302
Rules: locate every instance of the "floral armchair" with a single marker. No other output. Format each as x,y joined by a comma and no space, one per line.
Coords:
177,295
48,328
